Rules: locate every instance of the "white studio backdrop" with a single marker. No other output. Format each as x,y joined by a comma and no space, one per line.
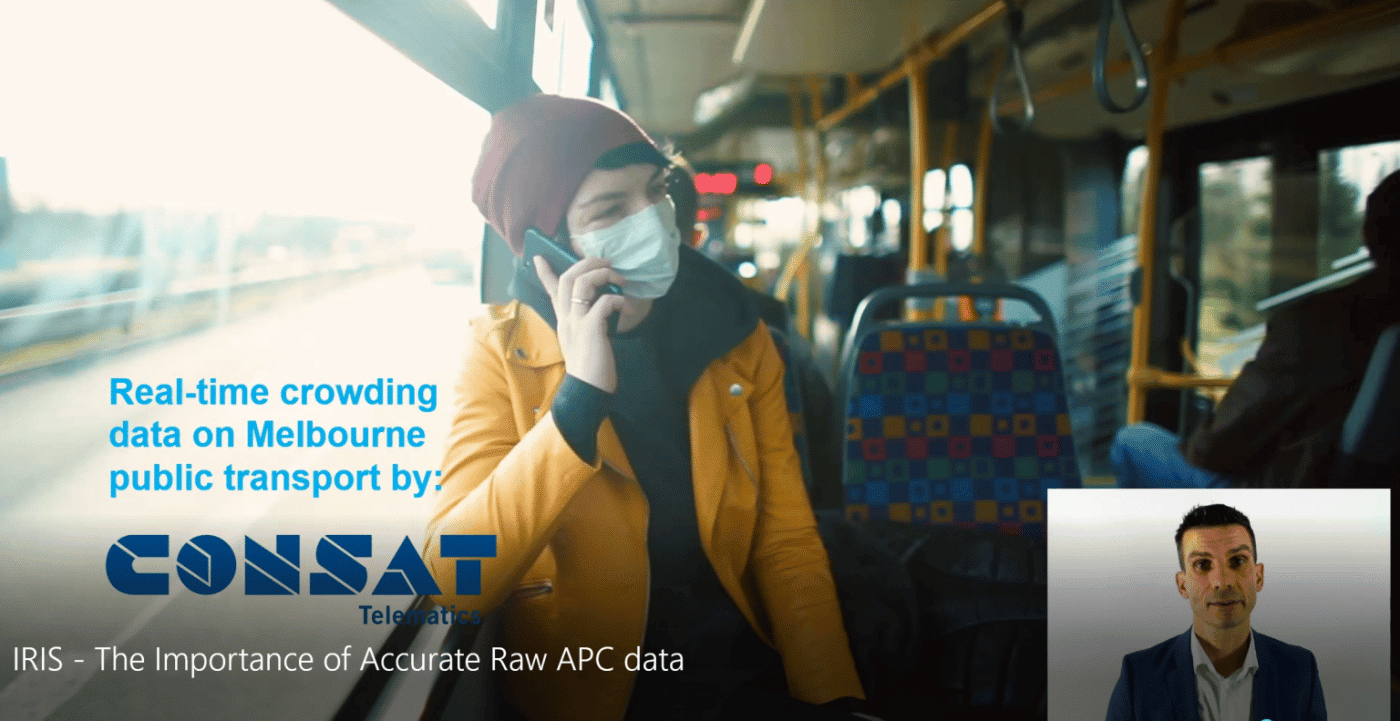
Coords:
1112,589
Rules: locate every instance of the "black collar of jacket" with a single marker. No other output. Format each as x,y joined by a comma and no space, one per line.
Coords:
706,313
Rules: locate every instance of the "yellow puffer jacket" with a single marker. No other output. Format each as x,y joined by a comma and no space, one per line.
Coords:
571,565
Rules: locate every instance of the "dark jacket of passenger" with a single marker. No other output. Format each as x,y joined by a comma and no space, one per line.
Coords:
1280,422
825,439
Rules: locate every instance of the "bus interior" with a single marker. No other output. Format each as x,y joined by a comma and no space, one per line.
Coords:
1129,188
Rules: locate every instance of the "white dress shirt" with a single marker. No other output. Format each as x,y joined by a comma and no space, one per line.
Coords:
1223,698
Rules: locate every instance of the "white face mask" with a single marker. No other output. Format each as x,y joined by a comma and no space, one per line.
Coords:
645,248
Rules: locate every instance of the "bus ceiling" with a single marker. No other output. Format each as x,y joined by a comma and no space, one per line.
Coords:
713,75
730,71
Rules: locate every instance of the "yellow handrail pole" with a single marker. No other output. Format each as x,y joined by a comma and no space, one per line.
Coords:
918,168
852,85
1154,378
804,288
918,165
929,49
784,283
1162,63
1371,16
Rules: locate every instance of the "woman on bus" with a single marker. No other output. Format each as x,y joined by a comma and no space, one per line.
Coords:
642,487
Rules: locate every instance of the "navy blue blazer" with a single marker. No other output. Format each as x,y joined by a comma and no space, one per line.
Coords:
1159,684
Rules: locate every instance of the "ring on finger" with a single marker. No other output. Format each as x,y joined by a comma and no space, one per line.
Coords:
580,300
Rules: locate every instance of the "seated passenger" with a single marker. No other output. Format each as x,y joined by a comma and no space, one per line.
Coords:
1280,422
642,488
818,402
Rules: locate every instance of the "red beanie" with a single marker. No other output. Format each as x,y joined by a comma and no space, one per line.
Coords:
535,157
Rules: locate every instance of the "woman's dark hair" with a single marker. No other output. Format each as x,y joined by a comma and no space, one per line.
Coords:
631,154
680,184
1217,514
621,157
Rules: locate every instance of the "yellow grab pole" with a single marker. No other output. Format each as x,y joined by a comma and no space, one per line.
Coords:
1162,62
918,168
784,283
804,286
918,165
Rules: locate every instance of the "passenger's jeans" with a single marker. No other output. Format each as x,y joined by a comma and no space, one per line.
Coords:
1146,456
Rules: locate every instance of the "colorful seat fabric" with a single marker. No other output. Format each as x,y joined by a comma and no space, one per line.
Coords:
965,425
792,389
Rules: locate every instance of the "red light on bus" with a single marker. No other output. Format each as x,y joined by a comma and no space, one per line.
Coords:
716,183
705,215
763,174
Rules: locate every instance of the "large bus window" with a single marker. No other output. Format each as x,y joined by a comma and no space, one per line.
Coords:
487,9
1345,177
181,164
859,205
1134,171
960,199
948,198
563,48
1236,234
935,198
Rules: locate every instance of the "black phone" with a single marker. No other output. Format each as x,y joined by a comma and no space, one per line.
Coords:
561,259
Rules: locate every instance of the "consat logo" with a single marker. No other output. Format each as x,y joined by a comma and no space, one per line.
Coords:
206,565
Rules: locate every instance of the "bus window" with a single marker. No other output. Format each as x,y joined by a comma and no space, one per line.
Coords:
1130,190
859,204
487,9
1345,177
960,198
1236,236
219,171
935,196
951,194
893,213
563,48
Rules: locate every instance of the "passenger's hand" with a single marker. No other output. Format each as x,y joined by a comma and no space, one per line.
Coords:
583,318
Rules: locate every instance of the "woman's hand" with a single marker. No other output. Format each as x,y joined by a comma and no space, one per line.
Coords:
583,318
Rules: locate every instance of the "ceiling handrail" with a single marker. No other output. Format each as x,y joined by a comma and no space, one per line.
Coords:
1015,21
1109,10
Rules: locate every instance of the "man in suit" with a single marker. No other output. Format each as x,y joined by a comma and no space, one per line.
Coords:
1220,669
1280,422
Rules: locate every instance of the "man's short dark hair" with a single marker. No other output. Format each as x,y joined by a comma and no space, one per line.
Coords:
1217,514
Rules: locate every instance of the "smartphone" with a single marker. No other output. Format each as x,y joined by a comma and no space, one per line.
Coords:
561,259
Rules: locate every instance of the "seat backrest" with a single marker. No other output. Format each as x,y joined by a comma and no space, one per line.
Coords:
792,389
1367,444
962,424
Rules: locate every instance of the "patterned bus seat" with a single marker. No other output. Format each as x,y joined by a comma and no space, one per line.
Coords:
958,424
